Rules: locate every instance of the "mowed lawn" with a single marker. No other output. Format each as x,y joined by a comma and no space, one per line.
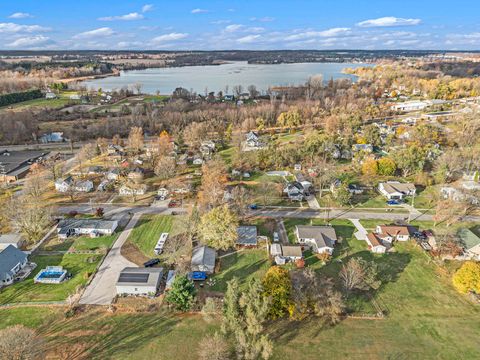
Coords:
80,266
148,230
244,265
98,243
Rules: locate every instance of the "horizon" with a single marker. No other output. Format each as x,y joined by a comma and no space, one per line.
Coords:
236,25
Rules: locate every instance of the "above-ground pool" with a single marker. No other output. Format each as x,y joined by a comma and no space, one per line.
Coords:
51,275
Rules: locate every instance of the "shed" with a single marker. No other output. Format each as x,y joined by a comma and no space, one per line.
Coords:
203,259
139,281
247,236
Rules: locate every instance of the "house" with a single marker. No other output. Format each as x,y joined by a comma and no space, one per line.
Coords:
275,250
247,236
375,244
390,233
139,281
50,95
83,186
95,170
92,227
128,190
52,137
197,160
394,190
103,185
63,185
320,239
295,191
113,174
162,193
14,165
362,147
13,239
12,261
203,259
410,106
291,252
471,242
252,139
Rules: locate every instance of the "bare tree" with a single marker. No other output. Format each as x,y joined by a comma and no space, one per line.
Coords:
136,139
20,343
177,251
214,348
358,274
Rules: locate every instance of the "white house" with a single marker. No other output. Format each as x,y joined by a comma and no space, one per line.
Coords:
375,244
13,239
126,190
92,227
410,106
394,190
470,242
83,186
390,233
252,139
321,239
113,174
295,191
63,185
139,281
362,147
12,261
50,95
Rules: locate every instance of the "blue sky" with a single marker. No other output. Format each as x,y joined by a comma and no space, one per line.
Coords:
247,24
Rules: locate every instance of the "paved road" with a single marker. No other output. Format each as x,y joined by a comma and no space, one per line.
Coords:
101,290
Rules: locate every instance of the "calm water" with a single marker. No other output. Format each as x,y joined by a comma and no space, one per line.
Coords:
216,78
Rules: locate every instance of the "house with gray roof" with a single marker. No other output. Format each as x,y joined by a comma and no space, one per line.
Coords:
394,190
14,165
470,242
247,236
203,259
321,239
91,227
12,261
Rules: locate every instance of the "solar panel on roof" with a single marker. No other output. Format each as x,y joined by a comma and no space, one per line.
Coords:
133,277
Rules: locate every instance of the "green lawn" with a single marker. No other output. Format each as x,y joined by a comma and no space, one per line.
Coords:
42,102
98,243
426,319
244,265
80,266
148,230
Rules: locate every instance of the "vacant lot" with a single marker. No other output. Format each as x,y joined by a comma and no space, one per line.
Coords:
80,266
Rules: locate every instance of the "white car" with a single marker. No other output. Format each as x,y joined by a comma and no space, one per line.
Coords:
276,238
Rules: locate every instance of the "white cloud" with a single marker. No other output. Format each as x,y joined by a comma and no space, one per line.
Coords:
314,34
100,32
248,39
127,17
169,37
31,41
199,11
389,21
233,28
147,8
11,28
20,15
263,19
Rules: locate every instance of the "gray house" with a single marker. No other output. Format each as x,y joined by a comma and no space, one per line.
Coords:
12,261
247,236
203,259
320,239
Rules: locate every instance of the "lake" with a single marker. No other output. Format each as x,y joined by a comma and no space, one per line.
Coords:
216,78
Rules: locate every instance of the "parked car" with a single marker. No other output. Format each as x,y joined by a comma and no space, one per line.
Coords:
253,207
174,203
151,262
276,238
393,202
420,235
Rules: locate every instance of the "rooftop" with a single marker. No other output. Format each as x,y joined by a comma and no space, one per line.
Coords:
9,258
140,276
247,235
13,161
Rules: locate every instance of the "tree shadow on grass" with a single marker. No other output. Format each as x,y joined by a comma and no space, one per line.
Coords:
105,337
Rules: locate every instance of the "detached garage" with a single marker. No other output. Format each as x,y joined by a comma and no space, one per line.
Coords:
139,281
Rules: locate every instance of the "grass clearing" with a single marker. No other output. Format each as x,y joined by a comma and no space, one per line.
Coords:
244,265
80,266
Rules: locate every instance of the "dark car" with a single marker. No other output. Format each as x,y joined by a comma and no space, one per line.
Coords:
393,202
151,262
253,207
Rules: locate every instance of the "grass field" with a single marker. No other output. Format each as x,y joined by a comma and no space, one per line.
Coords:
426,319
80,266
148,230
244,265
99,243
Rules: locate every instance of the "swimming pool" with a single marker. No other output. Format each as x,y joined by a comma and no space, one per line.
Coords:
51,275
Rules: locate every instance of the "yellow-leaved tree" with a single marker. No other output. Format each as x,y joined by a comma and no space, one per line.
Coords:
467,278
